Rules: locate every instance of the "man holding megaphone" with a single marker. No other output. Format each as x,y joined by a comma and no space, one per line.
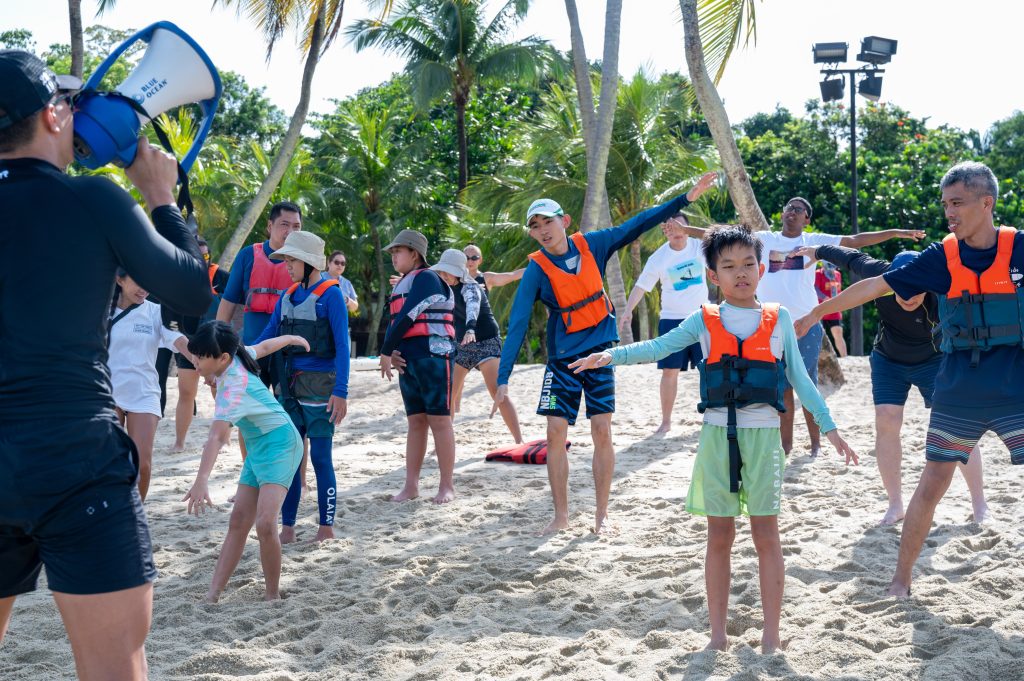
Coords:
68,499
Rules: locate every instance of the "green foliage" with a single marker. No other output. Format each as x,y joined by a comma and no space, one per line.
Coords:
245,113
17,39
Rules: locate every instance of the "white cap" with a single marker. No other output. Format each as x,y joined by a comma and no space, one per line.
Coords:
546,207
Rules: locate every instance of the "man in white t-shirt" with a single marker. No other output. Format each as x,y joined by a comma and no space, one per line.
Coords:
789,280
679,265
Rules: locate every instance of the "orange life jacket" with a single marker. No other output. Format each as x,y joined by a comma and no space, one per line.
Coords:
212,271
581,299
738,373
981,312
267,281
436,320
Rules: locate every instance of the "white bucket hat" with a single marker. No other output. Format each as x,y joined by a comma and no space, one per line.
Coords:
453,262
304,246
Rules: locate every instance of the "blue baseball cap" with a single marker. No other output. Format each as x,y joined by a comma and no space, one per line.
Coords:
903,258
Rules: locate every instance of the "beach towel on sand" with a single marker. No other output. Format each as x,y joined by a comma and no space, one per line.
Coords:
528,452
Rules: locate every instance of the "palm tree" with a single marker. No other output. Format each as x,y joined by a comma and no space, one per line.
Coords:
721,25
597,132
367,178
320,21
451,49
77,37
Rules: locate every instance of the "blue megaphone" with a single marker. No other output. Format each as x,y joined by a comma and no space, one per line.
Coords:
173,72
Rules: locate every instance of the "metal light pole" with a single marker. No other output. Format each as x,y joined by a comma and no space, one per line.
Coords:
874,51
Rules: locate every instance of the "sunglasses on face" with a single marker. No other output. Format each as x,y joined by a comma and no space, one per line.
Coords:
794,208
473,258
339,263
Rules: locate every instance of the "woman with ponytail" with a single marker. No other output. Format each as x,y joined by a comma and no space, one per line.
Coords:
275,448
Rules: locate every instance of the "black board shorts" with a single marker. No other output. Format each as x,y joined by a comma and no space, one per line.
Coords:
69,502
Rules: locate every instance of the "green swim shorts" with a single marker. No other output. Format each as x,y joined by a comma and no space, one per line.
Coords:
273,458
760,475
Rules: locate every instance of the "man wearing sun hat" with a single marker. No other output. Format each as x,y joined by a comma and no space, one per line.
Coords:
68,498
312,384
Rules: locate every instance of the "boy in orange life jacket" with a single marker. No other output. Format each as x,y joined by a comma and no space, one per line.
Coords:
750,350
565,275
420,344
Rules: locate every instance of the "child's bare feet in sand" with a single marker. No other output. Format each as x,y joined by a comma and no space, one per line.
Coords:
324,533
721,644
602,526
663,428
444,495
772,646
211,597
276,596
407,494
287,534
980,513
898,590
892,516
178,448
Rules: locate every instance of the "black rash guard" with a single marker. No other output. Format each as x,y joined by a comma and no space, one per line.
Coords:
904,337
53,329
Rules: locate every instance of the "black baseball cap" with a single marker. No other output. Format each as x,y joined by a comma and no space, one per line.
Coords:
27,85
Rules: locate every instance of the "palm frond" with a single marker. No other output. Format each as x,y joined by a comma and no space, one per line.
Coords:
724,25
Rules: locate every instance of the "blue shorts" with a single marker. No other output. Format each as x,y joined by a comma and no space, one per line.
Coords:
561,390
891,381
426,385
810,349
272,457
311,420
687,358
69,502
953,431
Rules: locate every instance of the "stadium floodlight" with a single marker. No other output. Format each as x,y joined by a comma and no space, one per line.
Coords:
876,50
829,53
871,87
832,89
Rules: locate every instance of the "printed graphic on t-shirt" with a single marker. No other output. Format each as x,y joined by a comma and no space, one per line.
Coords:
686,274
143,328
1016,276
780,260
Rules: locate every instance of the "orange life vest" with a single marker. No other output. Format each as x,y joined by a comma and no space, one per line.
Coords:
212,271
738,373
581,299
267,281
436,320
981,312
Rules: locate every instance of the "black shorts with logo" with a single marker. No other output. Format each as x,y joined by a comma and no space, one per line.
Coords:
69,502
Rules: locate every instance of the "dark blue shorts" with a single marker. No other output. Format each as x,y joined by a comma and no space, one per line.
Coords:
68,501
891,381
561,390
687,358
426,385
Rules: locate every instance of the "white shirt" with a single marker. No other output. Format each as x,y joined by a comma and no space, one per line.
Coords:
134,342
787,280
681,273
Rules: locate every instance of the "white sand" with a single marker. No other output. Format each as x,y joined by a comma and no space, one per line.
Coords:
413,591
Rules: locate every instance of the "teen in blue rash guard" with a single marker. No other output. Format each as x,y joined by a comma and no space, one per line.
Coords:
566,276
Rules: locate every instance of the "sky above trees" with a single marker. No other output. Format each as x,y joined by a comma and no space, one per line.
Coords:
955,62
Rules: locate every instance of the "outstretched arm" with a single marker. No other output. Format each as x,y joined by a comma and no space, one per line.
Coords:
871,238
272,345
626,316
199,495
859,293
496,279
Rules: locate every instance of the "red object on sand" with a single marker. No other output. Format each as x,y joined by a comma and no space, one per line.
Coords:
529,452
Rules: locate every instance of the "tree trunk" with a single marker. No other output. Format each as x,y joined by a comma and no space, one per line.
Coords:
289,143
644,325
460,131
595,206
382,285
77,39
711,106
829,371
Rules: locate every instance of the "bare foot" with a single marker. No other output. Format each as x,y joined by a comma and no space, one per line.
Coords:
717,644
773,645
602,526
231,499
815,450
178,448
406,494
444,495
555,526
272,596
898,590
211,598
980,513
287,534
892,516
663,428
324,533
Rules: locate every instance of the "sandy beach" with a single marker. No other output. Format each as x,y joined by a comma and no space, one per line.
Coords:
466,591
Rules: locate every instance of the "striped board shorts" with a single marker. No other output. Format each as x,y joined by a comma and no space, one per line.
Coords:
954,431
